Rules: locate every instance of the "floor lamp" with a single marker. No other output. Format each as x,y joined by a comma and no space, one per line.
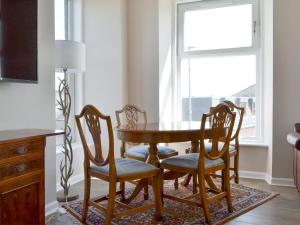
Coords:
69,59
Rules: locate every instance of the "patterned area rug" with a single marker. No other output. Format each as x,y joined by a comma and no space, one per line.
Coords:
244,199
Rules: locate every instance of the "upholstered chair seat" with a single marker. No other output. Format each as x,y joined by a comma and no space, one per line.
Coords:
189,161
141,152
126,167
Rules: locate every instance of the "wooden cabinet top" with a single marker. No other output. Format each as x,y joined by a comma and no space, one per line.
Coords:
18,135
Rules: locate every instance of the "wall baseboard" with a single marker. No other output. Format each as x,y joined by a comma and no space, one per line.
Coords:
51,208
252,175
285,182
73,180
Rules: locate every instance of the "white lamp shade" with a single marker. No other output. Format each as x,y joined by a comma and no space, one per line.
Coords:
69,55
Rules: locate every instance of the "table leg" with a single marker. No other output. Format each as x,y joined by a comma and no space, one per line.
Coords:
210,183
139,187
123,149
153,157
143,184
122,183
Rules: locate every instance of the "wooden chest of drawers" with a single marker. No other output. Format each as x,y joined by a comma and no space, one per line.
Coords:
22,186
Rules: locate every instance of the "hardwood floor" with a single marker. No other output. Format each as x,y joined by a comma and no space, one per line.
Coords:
283,210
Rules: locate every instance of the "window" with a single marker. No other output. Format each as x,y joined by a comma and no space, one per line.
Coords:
218,58
60,19
61,33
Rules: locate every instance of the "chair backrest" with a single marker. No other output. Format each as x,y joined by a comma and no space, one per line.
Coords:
93,118
240,111
222,122
132,115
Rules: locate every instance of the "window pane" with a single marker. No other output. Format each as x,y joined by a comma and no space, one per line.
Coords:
60,20
214,79
218,28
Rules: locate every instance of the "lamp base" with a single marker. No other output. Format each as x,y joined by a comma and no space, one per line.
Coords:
61,197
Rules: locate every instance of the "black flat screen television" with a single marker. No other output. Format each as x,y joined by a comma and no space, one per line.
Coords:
18,41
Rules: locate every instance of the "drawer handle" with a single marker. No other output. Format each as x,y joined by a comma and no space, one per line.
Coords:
22,150
21,168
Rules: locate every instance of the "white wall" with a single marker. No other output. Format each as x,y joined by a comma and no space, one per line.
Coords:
286,82
166,11
267,60
33,105
105,79
143,56
104,33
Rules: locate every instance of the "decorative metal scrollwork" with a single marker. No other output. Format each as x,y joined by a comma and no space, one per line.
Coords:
64,104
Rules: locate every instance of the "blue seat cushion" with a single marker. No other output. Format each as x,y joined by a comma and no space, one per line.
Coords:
189,161
141,151
126,167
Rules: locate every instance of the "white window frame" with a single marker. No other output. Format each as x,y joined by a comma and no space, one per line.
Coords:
255,49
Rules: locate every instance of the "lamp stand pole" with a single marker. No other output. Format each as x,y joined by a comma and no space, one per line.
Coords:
66,169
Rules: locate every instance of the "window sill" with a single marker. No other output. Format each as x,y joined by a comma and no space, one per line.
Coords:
253,144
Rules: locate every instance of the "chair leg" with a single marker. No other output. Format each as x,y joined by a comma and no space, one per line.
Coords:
161,188
194,184
146,192
223,188
187,180
203,197
111,202
122,188
228,189
176,184
236,168
157,185
86,198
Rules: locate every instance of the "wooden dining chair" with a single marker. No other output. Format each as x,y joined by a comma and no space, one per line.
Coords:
131,115
234,147
110,169
205,162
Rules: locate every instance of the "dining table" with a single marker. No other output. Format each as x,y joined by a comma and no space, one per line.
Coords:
164,132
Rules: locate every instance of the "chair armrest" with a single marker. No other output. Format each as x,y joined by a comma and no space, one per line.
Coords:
297,127
294,140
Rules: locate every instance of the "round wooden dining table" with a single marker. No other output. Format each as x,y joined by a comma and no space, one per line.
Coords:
155,133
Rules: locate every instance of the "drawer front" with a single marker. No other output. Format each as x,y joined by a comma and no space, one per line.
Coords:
13,170
24,148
